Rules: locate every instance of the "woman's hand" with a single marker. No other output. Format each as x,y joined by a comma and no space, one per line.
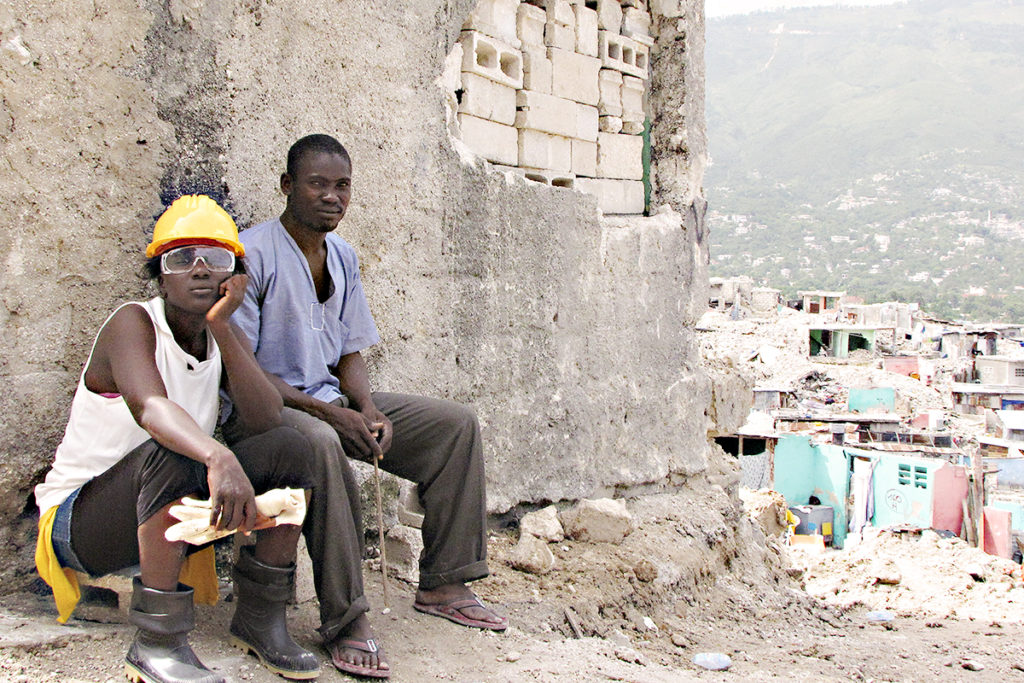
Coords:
232,498
232,291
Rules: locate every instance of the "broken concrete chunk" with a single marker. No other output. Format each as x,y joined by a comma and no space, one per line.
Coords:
600,521
532,555
410,512
403,545
543,524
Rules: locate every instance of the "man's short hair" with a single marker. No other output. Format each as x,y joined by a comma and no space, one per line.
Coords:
318,142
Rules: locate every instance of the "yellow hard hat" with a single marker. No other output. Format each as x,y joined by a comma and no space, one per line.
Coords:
194,217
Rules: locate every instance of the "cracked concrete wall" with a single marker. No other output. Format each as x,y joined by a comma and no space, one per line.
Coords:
570,334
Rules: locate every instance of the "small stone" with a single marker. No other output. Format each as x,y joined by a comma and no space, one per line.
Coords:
649,624
513,656
602,520
532,555
972,665
543,524
680,640
386,610
645,571
1019,666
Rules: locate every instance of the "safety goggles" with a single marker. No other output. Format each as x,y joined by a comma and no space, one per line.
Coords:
184,259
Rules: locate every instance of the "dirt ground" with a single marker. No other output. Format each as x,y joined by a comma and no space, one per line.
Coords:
689,579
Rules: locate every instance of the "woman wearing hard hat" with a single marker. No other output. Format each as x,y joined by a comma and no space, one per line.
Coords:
139,438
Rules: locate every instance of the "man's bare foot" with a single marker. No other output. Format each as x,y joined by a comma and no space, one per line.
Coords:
456,602
355,650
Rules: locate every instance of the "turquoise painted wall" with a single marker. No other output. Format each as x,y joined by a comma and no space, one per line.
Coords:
872,400
804,469
903,490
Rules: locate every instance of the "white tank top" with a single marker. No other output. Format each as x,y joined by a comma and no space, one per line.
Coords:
101,430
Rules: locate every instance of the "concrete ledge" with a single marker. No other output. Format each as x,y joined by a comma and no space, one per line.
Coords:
614,196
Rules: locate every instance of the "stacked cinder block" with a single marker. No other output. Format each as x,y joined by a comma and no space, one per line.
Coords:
556,88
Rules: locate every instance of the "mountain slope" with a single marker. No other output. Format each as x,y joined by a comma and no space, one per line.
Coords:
878,150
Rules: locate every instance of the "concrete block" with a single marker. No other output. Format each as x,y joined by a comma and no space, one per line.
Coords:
609,15
530,21
619,156
546,113
537,70
599,521
491,58
632,127
584,158
671,9
559,12
559,36
487,99
623,54
636,24
609,85
586,30
632,99
548,177
495,18
574,76
610,124
544,151
491,140
543,524
532,555
586,123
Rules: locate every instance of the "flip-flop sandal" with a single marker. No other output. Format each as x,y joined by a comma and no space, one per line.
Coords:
452,611
369,645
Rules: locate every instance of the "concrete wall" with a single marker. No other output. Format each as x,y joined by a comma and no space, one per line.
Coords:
570,334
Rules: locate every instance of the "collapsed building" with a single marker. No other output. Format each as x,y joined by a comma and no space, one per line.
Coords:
853,432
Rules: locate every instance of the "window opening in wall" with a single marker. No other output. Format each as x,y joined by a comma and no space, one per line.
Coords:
555,90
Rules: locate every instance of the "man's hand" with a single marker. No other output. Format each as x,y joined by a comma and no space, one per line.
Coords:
356,431
232,497
232,291
381,425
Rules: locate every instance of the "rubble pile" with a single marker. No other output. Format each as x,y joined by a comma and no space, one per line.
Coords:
921,574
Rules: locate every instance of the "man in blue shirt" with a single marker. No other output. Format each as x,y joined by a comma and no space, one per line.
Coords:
306,315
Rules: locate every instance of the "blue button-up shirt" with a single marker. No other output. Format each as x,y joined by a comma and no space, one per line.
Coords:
293,335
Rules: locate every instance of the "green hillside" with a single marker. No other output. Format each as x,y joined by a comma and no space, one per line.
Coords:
878,150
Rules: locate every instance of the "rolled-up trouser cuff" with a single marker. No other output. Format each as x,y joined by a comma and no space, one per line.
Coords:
470,572
329,630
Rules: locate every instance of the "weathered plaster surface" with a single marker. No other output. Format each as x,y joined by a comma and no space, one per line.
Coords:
571,335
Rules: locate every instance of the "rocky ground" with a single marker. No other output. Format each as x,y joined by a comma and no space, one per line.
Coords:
696,575
682,583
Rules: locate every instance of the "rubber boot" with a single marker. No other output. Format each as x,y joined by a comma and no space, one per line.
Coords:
259,624
160,652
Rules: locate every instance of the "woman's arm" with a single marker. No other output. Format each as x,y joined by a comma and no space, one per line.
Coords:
123,362
256,400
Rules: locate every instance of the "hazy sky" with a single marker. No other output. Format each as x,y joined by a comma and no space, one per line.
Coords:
722,8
